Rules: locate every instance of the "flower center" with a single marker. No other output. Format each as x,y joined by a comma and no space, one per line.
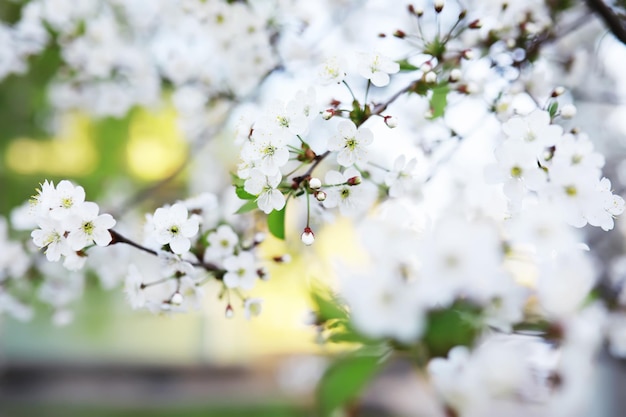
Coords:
571,190
516,172
351,143
269,150
88,228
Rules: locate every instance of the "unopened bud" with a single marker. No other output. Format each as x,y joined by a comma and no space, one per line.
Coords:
263,274
328,113
320,196
467,54
439,5
307,237
462,14
558,91
455,75
259,237
510,43
282,259
416,11
391,122
568,111
229,313
356,180
426,67
475,24
177,298
315,183
430,77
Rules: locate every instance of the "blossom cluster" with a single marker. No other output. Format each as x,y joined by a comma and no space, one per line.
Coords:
67,224
194,248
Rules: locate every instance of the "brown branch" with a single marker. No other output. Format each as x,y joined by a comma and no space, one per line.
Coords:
610,18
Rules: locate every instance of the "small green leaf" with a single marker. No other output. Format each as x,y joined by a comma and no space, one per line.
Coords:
439,100
276,223
344,380
237,182
553,108
327,307
243,194
406,66
249,206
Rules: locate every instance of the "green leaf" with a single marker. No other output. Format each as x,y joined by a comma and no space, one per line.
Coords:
553,108
243,194
249,206
439,100
453,326
406,66
344,380
327,307
276,223
236,181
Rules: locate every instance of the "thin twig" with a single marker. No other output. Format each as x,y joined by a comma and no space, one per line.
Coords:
610,18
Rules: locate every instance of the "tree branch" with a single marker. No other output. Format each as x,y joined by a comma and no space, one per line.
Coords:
610,18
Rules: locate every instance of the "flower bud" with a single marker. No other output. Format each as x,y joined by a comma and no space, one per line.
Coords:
177,298
356,180
462,14
259,237
327,114
307,237
315,183
263,274
391,122
475,24
558,91
320,195
467,54
568,111
430,77
455,75
510,43
282,259
426,67
439,5
229,313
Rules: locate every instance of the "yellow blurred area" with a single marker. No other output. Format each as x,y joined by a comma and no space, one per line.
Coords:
72,153
156,146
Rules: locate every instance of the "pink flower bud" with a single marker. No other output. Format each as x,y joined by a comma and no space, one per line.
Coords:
229,313
328,113
308,237
177,298
391,121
